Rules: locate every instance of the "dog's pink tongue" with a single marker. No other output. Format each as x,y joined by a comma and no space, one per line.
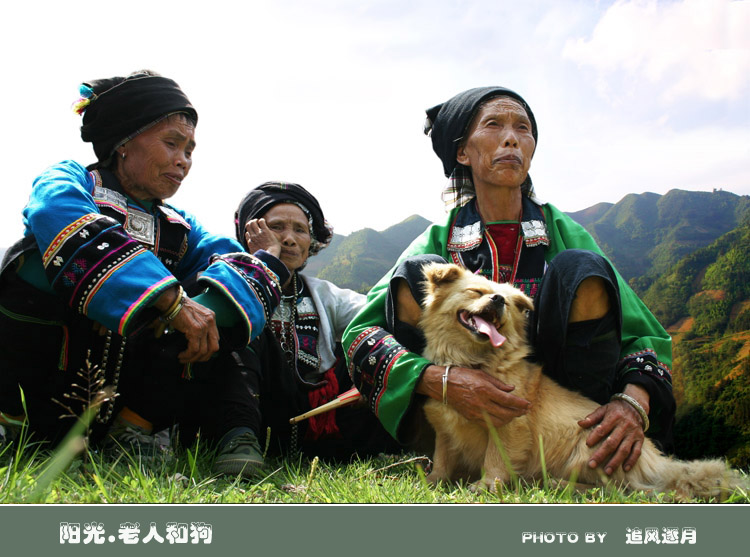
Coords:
488,329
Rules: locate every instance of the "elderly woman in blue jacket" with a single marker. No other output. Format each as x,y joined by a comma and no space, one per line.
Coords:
101,273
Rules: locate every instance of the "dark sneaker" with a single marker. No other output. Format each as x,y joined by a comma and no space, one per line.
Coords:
138,443
241,455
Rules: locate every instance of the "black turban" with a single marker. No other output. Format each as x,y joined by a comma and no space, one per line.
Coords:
450,120
261,199
121,107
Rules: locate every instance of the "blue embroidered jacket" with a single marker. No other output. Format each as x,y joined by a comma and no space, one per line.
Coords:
110,260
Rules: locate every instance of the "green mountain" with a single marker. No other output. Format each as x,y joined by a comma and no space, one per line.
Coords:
589,216
359,260
324,257
686,253
403,233
645,234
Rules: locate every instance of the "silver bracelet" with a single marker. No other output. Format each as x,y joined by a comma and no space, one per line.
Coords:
176,306
445,385
635,404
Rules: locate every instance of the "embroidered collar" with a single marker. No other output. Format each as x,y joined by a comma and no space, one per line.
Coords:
173,216
534,233
139,223
108,197
467,230
465,238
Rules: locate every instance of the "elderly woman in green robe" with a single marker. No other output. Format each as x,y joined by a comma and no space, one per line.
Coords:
589,330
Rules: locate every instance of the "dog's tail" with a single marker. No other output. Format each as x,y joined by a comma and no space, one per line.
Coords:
695,479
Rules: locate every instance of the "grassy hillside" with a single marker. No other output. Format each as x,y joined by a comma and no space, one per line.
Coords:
356,265
705,301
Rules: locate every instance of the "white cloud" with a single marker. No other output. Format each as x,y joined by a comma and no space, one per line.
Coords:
603,158
688,48
332,94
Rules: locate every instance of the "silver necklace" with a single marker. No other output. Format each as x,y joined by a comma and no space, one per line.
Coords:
288,318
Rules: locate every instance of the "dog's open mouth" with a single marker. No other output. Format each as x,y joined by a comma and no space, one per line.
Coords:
482,325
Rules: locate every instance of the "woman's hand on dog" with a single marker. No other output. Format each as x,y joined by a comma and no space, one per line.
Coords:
474,394
619,430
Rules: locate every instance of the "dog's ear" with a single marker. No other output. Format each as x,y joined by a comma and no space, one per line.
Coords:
441,273
523,302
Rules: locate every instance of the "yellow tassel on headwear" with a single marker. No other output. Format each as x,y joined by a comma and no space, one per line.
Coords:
80,105
87,95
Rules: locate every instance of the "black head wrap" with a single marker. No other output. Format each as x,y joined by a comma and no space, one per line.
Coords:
256,203
448,122
118,108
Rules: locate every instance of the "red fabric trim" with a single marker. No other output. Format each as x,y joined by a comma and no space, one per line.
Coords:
505,236
325,423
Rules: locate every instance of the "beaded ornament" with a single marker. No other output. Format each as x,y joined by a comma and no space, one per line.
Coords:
87,95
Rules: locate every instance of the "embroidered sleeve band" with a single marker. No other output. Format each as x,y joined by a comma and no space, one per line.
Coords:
645,363
241,276
372,355
94,251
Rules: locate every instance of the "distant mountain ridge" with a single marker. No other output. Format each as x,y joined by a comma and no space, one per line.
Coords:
359,260
643,234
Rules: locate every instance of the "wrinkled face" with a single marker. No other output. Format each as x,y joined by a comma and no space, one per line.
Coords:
488,313
498,145
289,223
157,160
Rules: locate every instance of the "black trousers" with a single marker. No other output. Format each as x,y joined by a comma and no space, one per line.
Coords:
46,350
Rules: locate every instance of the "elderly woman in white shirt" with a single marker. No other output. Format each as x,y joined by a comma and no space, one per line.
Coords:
298,357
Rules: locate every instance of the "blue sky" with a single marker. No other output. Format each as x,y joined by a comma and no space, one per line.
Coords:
630,96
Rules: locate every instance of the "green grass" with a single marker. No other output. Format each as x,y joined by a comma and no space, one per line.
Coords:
29,475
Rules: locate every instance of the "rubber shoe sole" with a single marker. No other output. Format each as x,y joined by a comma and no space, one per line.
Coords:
241,455
236,466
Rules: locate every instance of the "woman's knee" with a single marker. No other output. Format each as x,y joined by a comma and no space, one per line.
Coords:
408,273
407,309
591,300
405,296
575,261
593,279
411,267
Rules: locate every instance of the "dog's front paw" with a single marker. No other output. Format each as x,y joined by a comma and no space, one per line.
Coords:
487,483
576,487
434,477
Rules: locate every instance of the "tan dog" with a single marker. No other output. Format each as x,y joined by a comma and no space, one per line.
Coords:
472,322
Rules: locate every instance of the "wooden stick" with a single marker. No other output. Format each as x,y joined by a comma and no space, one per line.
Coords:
344,399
